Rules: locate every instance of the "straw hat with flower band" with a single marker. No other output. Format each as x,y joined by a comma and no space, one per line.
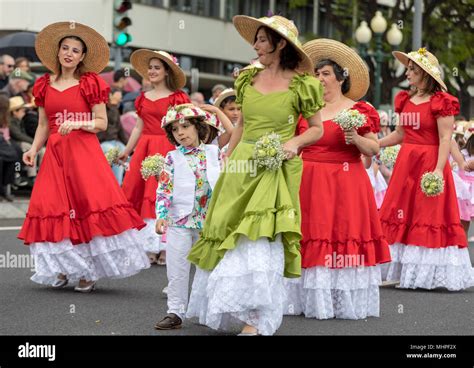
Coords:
224,94
460,127
189,111
47,46
346,58
140,60
248,27
425,60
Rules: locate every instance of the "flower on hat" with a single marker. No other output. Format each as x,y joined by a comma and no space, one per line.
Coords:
422,51
175,59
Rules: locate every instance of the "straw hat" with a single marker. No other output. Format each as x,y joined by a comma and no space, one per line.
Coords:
346,58
248,26
47,45
140,60
189,111
460,127
16,103
224,94
425,60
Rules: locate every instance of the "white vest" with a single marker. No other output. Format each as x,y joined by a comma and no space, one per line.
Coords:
184,181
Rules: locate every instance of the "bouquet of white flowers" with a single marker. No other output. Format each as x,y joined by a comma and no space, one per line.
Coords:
152,166
388,156
268,152
112,156
432,184
348,119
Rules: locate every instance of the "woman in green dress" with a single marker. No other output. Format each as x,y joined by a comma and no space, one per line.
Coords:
250,240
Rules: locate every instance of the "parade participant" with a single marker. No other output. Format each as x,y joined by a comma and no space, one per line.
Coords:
148,138
250,239
79,225
220,131
226,102
343,243
427,241
184,191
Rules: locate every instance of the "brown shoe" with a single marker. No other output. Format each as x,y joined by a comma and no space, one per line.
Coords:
170,322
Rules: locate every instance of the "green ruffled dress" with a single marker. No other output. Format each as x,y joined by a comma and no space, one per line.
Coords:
265,204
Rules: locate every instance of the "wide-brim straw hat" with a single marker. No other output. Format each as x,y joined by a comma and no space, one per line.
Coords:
16,103
181,113
223,95
140,60
346,58
425,60
248,27
47,46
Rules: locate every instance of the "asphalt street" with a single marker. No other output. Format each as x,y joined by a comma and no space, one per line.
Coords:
132,306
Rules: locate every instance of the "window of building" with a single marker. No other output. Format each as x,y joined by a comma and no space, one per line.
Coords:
157,3
206,8
252,8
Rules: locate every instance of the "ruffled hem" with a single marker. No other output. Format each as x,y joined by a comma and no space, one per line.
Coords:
426,235
246,287
208,251
427,268
150,240
323,293
117,256
112,221
346,253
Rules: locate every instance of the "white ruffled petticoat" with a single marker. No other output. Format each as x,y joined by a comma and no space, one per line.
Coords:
150,240
429,268
246,287
116,256
323,293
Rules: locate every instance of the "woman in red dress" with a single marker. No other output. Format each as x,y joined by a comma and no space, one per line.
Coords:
148,138
427,241
343,243
79,224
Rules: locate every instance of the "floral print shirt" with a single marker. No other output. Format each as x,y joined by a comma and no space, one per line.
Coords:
196,158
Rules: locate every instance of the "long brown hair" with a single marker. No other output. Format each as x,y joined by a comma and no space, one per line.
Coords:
80,67
169,80
4,110
431,86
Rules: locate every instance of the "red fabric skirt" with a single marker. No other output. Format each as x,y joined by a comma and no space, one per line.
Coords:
408,216
76,195
141,193
340,222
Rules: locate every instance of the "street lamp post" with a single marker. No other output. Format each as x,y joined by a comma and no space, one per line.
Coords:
363,36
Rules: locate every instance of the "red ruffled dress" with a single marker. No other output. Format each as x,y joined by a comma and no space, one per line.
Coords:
343,242
427,242
79,222
153,140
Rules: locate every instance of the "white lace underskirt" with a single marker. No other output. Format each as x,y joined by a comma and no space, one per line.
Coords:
150,239
246,287
116,256
323,293
429,268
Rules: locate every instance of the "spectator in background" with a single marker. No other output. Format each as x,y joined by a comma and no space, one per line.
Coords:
216,91
120,80
23,63
7,64
129,117
197,98
114,136
18,83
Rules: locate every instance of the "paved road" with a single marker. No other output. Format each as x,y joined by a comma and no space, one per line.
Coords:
132,306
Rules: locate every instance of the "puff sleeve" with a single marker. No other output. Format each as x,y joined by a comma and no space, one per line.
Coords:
179,97
39,89
243,80
373,119
443,104
309,94
139,104
94,89
400,100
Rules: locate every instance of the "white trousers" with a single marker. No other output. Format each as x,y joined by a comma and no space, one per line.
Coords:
178,244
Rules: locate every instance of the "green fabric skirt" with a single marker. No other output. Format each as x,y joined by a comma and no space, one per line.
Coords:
255,203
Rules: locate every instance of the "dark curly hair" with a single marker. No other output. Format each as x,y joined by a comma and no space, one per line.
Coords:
289,57
201,127
341,74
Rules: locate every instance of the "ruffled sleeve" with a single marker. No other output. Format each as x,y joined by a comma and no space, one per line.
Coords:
39,89
243,80
179,97
372,124
443,104
94,89
309,94
139,104
400,100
